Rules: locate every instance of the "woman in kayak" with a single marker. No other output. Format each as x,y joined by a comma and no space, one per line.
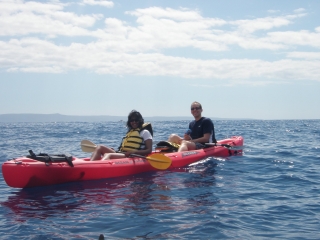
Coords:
137,141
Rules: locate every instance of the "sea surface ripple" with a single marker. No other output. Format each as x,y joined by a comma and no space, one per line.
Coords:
271,191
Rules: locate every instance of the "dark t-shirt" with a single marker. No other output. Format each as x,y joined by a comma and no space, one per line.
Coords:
202,126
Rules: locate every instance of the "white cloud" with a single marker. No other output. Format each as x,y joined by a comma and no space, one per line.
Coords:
103,3
37,70
267,23
15,6
299,10
23,18
304,55
143,47
38,55
157,28
168,13
296,38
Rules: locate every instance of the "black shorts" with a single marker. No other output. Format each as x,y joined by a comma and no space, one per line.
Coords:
199,145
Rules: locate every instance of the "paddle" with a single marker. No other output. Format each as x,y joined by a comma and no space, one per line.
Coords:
224,145
156,160
215,144
87,146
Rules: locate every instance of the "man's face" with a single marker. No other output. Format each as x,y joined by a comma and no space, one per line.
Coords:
196,110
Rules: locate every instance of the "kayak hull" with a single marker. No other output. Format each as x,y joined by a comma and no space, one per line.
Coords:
24,172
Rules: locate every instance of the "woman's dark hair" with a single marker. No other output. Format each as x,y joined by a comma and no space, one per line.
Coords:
134,114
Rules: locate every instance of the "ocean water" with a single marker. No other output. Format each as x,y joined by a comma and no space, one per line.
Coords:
272,191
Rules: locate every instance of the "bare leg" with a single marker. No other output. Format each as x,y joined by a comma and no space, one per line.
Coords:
175,139
99,151
187,146
113,156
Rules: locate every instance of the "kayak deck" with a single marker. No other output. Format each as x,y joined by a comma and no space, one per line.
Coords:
24,172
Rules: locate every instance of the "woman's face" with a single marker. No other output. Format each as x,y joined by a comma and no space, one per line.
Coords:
134,122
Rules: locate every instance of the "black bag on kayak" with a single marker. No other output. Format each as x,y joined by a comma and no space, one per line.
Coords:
46,158
166,146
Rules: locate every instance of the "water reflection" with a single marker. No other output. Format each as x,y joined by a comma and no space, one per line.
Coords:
204,174
202,196
140,194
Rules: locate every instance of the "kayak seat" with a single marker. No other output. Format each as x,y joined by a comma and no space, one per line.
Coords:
46,158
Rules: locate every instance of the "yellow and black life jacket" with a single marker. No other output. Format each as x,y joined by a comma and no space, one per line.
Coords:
132,140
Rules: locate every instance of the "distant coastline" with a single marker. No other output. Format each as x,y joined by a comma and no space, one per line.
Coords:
29,117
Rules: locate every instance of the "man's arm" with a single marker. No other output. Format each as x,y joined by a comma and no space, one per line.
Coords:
203,139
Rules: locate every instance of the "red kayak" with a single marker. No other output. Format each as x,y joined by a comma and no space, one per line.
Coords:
24,172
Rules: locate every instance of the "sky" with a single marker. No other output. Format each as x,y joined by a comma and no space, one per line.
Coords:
239,59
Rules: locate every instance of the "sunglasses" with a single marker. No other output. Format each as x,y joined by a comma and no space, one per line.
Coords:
195,108
134,120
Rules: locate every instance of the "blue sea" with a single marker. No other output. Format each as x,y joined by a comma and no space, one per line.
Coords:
272,191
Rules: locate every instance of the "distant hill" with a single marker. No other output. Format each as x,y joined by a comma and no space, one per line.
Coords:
68,118
29,117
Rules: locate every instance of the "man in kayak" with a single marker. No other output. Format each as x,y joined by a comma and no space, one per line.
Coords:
137,141
201,131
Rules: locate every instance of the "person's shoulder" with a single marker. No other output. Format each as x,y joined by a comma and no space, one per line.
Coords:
145,133
207,119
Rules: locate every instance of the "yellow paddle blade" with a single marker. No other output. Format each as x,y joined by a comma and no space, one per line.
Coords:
87,146
159,161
